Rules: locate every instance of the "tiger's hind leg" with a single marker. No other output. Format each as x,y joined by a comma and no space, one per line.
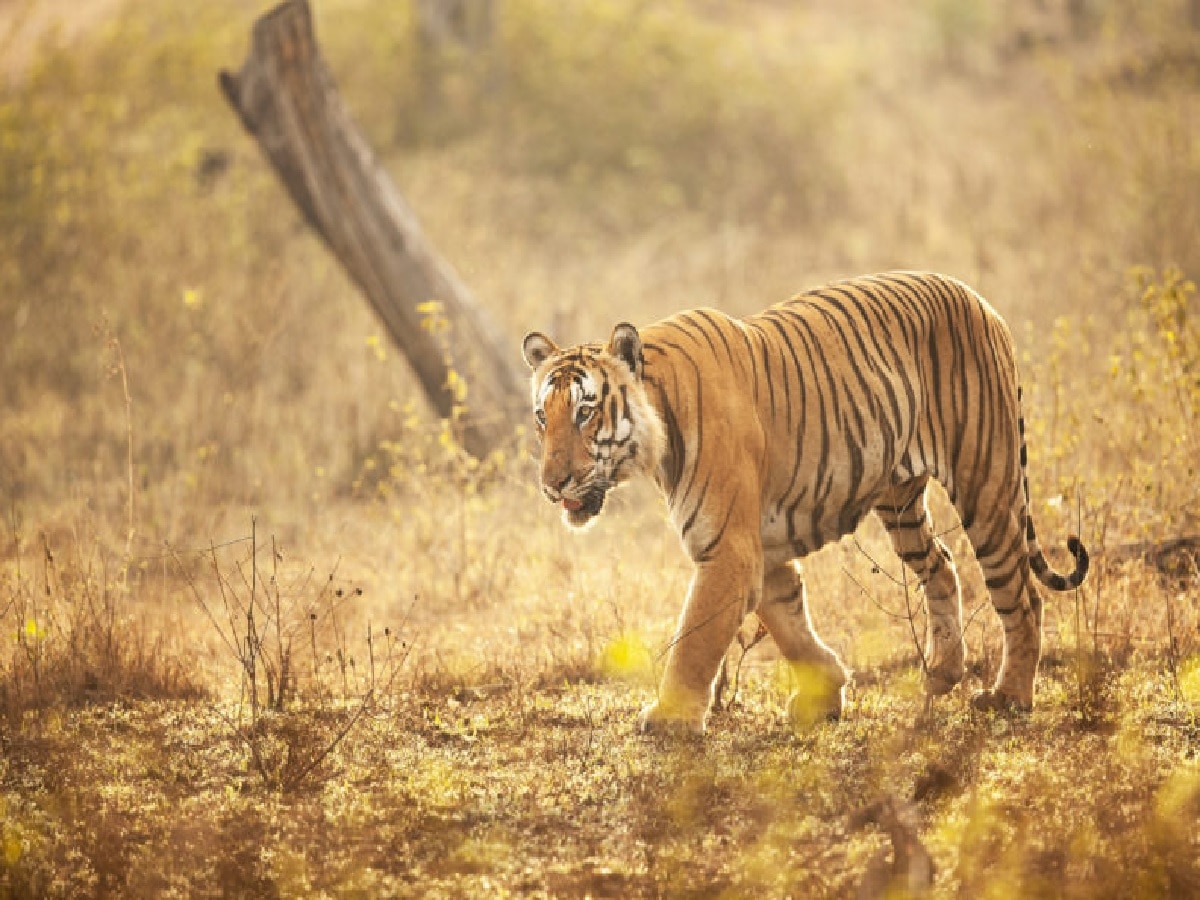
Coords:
1001,548
904,515
819,675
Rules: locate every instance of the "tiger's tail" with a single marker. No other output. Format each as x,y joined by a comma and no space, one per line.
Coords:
1055,581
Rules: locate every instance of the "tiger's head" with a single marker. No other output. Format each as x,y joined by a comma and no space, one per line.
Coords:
596,425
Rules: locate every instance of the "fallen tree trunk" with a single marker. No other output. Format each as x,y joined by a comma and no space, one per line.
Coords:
287,100
1175,556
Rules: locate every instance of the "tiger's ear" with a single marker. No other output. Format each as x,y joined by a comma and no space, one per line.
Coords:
537,348
626,345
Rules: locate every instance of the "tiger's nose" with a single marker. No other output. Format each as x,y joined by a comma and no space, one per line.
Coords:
554,491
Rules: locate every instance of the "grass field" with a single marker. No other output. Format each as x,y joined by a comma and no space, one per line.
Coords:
267,632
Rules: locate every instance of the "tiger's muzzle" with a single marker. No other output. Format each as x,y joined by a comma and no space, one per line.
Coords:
581,507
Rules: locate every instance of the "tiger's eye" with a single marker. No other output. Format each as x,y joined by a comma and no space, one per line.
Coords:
540,415
584,415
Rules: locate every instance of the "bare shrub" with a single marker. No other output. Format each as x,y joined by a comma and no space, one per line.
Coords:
73,634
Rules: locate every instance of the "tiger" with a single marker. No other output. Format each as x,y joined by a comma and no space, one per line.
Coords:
772,435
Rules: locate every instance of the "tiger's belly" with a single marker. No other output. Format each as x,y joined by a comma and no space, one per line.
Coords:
805,534
830,504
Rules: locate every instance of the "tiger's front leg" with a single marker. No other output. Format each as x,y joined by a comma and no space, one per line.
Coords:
818,673
724,588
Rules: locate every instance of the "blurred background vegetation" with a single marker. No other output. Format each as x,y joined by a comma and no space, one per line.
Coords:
579,163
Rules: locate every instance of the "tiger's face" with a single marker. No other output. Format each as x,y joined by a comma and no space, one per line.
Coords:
596,426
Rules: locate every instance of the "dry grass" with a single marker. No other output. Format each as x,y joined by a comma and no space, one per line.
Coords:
265,633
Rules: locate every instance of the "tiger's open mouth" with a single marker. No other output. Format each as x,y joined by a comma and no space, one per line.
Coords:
580,512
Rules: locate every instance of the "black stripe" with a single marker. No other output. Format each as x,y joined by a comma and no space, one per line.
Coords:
822,455
691,520
741,329
716,326
688,317
762,337
673,460
1001,581
706,554
799,379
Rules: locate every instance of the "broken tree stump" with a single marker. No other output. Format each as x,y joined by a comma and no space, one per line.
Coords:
286,98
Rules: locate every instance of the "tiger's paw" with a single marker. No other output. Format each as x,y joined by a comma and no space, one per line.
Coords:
807,708
803,714
673,720
1001,702
946,652
943,676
